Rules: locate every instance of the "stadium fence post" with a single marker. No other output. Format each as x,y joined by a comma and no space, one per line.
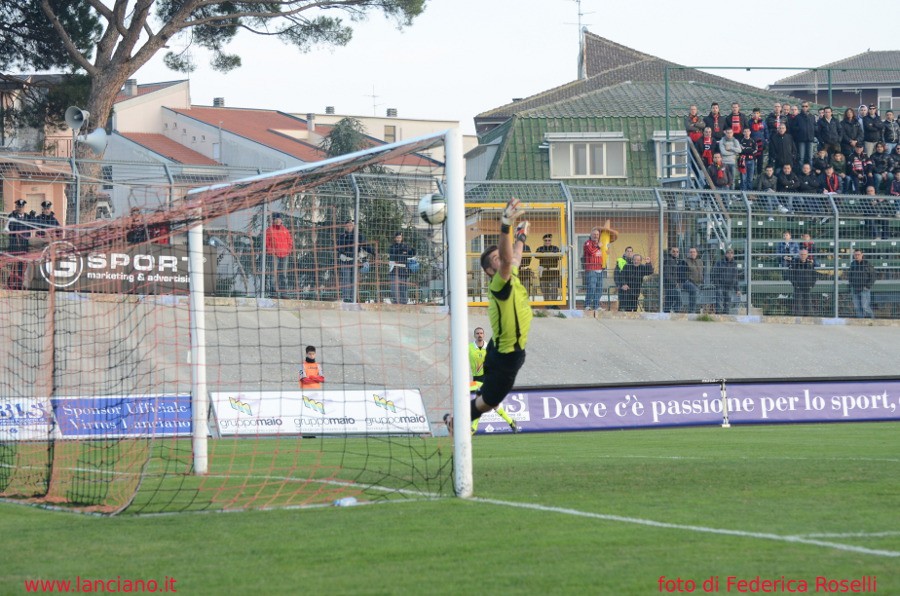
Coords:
459,313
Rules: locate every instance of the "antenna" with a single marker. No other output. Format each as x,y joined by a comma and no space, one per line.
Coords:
581,29
374,105
580,14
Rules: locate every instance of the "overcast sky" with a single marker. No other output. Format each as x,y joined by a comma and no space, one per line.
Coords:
463,57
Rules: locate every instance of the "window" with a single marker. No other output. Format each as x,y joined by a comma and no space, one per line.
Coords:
588,155
390,133
106,173
671,157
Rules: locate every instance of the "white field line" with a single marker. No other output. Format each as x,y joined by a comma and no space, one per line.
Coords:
701,529
754,458
852,535
299,480
799,539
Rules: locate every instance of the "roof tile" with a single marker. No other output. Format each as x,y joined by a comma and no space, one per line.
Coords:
844,75
608,64
163,145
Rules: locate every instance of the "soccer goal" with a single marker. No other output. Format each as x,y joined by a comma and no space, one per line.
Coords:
159,361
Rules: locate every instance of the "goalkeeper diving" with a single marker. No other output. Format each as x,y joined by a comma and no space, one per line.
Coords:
509,313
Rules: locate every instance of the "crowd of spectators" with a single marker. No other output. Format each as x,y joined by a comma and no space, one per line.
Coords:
795,151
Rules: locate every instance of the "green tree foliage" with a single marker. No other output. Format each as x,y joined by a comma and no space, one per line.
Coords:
382,211
30,43
44,101
109,40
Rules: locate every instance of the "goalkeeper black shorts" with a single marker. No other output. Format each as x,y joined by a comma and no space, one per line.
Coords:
500,372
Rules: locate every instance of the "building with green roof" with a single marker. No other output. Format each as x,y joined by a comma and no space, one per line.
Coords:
608,128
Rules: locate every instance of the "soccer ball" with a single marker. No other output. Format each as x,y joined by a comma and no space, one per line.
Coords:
433,209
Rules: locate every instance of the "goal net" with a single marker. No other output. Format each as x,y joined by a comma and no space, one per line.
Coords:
156,361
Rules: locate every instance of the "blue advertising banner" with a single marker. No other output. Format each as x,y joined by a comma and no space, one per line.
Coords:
122,416
605,408
816,401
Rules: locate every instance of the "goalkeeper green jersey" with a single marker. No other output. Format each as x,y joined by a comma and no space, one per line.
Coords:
509,312
476,359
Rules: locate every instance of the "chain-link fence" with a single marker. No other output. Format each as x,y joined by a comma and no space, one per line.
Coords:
725,253
297,246
589,247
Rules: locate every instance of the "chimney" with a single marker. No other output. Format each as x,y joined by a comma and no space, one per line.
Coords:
392,112
329,110
311,122
218,102
131,87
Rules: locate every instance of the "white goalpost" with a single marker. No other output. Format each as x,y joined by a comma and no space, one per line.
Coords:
459,313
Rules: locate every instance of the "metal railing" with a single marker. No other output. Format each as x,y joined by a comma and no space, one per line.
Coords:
651,220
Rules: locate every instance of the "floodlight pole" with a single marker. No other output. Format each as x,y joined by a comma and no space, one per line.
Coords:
459,312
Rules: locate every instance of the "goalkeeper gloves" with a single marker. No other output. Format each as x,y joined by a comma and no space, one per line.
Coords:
522,231
512,210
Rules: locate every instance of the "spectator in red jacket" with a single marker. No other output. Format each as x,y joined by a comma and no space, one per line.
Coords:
279,246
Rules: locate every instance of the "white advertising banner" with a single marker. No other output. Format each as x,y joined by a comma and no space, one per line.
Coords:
362,412
25,419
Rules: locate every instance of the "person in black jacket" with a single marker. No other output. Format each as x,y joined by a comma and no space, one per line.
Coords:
809,185
787,180
736,120
861,279
802,275
18,225
851,132
716,122
674,275
881,165
348,250
809,181
803,129
720,174
828,132
399,255
781,148
630,280
873,129
137,231
891,133
724,275
747,160
46,223
775,118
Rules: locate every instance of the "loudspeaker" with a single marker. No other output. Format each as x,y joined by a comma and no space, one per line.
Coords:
97,140
76,117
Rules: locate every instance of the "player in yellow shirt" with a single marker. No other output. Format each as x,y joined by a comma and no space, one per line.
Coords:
509,312
477,354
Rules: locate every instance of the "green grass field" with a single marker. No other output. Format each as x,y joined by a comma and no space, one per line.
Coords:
574,513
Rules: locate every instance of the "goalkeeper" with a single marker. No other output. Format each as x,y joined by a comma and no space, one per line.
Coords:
508,311
477,353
